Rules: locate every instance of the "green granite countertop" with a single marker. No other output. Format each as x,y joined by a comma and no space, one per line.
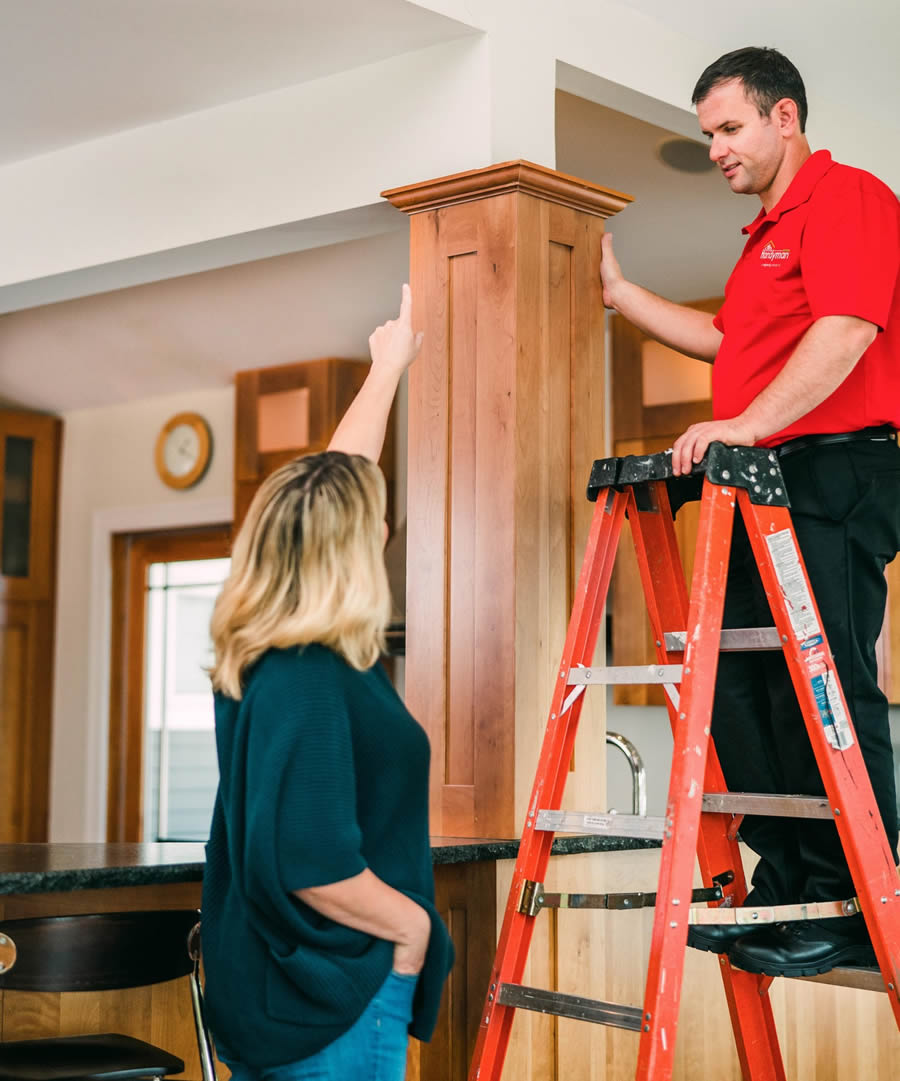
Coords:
48,868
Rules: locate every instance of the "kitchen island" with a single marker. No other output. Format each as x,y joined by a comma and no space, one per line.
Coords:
59,879
827,1033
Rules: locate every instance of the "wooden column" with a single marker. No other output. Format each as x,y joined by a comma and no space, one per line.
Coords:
506,406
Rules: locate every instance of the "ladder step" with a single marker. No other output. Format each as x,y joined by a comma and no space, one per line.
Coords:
863,979
733,640
626,673
603,825
652,827
582,1009
762,803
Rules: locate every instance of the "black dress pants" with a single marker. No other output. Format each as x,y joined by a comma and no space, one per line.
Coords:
845,507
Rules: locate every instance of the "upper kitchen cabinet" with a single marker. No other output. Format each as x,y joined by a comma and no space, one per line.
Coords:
29,483
289,410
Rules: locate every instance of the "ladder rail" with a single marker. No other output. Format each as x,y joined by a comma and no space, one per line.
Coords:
663,581
637,487
547,792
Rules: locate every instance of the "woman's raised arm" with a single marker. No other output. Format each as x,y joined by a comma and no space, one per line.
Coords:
393,346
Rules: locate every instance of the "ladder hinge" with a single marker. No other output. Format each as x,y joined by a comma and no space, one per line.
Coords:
723,879
532,898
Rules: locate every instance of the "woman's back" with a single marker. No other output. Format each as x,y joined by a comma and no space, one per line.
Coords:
323,774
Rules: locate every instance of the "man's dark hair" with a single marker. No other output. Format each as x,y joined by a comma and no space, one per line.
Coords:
767,75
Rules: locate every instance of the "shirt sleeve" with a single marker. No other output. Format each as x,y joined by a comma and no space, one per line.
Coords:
851,256
302,809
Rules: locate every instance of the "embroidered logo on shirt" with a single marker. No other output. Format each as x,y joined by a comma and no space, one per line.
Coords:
771,255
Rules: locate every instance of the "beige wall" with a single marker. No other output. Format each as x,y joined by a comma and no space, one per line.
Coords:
109,484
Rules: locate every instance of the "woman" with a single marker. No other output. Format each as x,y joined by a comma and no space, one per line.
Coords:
321,943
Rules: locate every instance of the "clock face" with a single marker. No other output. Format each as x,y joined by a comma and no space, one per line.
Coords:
181,450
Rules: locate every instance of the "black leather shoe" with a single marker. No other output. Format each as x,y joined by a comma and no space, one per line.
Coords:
719,937
799,949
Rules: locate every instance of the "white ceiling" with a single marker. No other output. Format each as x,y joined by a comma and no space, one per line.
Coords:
74,70
682,234
680,237
194,332
79,69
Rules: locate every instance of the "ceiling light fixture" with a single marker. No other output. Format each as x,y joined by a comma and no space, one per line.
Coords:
685,155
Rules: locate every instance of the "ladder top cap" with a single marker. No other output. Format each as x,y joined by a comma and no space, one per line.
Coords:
754,468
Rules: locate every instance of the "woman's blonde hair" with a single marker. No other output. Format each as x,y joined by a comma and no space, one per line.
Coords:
307,566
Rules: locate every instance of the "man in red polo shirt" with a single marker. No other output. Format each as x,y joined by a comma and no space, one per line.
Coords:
806,352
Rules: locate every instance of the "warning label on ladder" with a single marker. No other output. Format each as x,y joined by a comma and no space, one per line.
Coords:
793,584
831,710
795,588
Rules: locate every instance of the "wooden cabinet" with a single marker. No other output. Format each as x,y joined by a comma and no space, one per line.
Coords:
656,394
290,410
29,478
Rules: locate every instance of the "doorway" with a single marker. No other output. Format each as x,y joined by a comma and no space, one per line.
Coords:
162,765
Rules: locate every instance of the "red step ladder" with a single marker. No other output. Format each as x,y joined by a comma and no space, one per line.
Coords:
700,813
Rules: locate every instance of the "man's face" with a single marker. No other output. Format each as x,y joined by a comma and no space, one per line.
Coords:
747,147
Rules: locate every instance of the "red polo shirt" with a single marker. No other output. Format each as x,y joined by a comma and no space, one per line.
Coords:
831,246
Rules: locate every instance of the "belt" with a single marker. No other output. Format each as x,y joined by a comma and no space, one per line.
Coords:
881,433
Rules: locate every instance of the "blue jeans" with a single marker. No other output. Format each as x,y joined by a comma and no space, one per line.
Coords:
373,1049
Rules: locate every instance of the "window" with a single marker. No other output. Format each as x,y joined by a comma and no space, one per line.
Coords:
180,755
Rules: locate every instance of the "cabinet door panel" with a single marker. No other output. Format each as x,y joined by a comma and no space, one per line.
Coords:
29,478
24,720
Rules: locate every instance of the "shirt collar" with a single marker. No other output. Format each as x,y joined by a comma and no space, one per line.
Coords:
800,189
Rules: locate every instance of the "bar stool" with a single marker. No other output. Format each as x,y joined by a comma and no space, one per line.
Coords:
99,952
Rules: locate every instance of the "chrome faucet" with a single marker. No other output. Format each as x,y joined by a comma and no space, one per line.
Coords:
638,772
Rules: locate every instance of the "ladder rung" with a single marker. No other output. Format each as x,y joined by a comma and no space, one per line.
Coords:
604,825
582,1009
627,673
733,640
762,803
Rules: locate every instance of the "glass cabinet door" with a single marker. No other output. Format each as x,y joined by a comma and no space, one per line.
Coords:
15,524
29,473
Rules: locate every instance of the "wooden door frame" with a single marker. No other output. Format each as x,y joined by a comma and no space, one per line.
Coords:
132,554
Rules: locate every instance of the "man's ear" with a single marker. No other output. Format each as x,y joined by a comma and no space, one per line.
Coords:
786,116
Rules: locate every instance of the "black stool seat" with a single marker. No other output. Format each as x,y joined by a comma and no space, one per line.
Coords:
106,1057
96,952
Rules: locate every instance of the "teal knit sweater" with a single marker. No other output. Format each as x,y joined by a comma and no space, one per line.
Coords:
322,773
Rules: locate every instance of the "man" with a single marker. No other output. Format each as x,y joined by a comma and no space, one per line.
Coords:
806,352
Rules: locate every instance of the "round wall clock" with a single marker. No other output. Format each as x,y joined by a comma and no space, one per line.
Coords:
183,450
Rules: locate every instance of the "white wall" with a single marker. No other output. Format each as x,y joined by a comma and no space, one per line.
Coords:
660,56
109,484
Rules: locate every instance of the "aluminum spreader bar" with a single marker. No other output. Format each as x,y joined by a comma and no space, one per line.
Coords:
582,1009
535,898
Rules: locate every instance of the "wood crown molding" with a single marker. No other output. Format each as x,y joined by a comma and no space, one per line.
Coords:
509,176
